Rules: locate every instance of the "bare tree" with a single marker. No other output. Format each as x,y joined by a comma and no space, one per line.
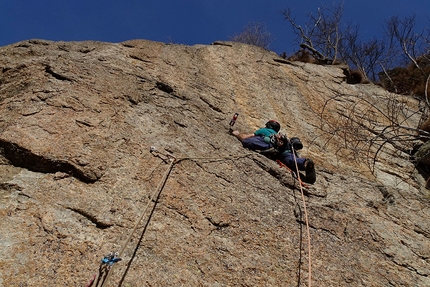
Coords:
366,125
254,33
329,34
403,38
322,33
406,65
365,56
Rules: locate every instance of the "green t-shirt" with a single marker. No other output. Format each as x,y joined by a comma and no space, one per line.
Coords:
264,132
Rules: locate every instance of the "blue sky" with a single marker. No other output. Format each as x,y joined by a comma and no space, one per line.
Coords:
186,22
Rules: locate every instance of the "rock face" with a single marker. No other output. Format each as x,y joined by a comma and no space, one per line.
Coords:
78,179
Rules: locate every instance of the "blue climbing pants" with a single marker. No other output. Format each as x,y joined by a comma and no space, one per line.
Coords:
256,143
287,158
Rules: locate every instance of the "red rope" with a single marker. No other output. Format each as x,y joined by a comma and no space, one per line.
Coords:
298,176
89,284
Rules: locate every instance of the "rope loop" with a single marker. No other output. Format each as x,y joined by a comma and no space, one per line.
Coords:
108,262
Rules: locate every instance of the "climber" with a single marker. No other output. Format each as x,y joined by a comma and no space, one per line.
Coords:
261,138
288,155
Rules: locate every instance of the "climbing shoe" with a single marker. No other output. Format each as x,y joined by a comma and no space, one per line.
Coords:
311,176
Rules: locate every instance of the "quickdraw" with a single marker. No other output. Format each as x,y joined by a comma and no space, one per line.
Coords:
110,259
105,265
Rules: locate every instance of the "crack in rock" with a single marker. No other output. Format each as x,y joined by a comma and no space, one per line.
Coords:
21,157
58,76
99,223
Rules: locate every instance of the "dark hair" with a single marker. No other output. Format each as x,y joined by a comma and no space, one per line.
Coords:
274,125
